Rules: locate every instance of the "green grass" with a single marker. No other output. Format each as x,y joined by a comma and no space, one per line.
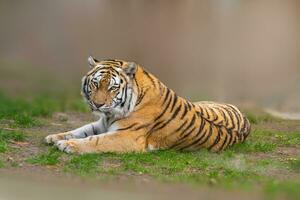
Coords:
84,164
295,164
49,158
254,146
277,138
256,118
229,169
284,189
1,163
7,136
243,166
193,167
24,112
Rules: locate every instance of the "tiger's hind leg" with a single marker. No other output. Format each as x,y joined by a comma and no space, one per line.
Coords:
120,141
94,128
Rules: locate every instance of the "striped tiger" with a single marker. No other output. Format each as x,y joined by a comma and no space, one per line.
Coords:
138,113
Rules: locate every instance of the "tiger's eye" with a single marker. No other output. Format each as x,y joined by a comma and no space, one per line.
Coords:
113,88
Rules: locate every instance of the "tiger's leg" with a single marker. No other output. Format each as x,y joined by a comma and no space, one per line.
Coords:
94,128
120,141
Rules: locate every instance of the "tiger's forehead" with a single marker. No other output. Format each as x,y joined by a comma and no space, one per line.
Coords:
109,73
112,62
107,69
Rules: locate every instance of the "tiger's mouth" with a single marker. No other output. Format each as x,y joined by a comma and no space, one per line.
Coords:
100,107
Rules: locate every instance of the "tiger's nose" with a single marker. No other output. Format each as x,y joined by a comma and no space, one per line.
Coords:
98,105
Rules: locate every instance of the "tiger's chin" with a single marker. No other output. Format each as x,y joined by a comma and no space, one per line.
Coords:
110,112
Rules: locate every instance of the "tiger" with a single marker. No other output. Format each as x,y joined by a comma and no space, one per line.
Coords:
138,113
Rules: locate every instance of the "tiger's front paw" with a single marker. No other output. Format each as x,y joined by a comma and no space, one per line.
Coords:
51,139
68,146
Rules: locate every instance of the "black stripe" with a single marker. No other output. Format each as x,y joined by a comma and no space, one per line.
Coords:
85,134
224,116
137,86
112,62
167,96
123,103
214,114
199,131
190,124
174,102
141,97
181,126
197,140
170,119
217,139
201,110
154,127
231,118
126,128
109,68
207,137
97,140
93,129
189,105
165,109
149,76
222,146
141,126
185,111
183,138
207,113
129,103
230,136
237,116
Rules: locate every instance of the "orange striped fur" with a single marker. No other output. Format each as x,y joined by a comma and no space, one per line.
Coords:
150,117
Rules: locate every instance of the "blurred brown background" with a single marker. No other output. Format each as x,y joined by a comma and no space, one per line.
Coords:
238,51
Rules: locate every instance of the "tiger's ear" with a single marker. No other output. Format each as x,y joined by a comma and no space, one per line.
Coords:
92,62
130,69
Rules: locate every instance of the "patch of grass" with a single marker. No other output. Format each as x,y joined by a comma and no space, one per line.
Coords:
11,135
258,141
295,164
285,190
276,137
24,120
1,163
87,164
7,136
260,117
193,167
3,146
254,146
24,112
288,138
228,169
77,105
49,158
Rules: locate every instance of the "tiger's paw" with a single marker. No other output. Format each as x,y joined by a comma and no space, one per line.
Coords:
67,146
53,138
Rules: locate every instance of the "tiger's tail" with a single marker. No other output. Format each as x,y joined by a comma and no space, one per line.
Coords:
246,129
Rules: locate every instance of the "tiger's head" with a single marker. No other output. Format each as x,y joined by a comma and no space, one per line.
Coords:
109,86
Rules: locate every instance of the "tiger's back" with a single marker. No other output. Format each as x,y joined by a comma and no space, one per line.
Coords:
181,125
